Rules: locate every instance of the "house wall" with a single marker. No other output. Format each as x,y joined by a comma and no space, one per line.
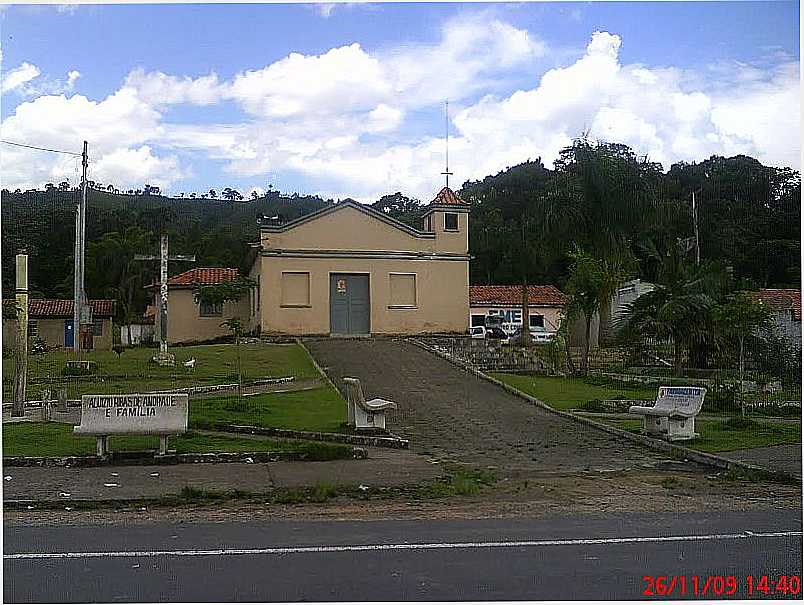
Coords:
51,330
185,323
788,326
140,333
442,295
552,315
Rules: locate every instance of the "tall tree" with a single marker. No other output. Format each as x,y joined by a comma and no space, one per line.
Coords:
592,282
738,319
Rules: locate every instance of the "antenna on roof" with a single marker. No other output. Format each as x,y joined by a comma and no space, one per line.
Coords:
446,173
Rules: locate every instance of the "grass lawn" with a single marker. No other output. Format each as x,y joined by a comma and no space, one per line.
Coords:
320,409
55,439
716,436
568,393
133,372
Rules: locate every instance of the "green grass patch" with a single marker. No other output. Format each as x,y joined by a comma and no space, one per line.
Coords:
134,372
571,393
725,436
321,409
463,482
55,439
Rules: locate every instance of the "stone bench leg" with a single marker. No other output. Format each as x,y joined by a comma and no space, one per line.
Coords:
369,420
655,425
681,428
102,442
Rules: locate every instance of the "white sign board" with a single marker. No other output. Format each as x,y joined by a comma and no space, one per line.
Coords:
687,401
147,414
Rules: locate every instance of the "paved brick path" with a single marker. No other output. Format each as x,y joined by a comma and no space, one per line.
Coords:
450,414
777,457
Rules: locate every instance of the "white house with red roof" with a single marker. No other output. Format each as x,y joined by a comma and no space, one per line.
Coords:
51,320
785,305
545,305
190,320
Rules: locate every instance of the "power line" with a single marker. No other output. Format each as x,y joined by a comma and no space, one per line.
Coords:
40,148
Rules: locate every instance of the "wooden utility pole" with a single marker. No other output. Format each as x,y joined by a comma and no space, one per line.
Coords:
79,295
21,359
164,358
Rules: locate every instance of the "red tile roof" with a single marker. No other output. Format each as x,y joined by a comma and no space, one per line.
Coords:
512,295
55,308
447,197
201,276
783,299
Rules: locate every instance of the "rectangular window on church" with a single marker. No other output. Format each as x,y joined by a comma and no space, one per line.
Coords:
295,289
403,290
450,221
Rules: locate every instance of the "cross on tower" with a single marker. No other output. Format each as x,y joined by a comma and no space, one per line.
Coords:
162,308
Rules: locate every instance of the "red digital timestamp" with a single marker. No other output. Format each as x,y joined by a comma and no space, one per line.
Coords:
721,586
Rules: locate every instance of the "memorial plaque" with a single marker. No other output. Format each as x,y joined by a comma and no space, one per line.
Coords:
684,399
137,414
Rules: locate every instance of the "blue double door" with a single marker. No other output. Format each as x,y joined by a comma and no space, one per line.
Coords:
349,304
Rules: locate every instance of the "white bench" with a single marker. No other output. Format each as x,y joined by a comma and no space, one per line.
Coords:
361,413
673,414
134,414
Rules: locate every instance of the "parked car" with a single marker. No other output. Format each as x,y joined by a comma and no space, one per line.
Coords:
477,332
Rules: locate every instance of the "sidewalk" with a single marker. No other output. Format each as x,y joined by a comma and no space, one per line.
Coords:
384,467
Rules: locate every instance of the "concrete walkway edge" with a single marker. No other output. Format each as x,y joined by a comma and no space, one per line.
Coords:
654,444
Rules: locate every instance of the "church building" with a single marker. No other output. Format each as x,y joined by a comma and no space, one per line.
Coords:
351,270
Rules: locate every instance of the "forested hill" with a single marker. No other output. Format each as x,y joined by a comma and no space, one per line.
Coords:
612,203
524,221
119,225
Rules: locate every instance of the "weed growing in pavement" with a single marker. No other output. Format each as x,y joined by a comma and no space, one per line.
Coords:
459,483
669,483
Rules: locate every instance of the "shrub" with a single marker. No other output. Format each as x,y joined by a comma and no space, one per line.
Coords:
737,423
593,405
322,492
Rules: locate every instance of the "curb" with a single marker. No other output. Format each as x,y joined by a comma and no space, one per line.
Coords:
657,445
358,440
358,453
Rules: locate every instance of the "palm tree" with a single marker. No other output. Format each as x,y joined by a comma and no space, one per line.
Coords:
592,283
680,306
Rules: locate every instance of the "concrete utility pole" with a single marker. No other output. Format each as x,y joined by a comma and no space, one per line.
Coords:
695,223
79,295
21,361
164,358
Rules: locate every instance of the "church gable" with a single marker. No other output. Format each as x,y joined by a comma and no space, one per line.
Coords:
348,226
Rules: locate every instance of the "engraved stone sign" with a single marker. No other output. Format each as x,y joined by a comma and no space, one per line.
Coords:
133,414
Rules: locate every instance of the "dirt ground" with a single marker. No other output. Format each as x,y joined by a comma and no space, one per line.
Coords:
512,497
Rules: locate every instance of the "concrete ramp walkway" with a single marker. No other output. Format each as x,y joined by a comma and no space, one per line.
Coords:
449,414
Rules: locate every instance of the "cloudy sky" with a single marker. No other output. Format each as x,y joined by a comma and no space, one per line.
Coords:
348,99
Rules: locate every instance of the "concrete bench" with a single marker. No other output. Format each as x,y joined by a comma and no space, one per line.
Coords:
361,413
673,414
103,416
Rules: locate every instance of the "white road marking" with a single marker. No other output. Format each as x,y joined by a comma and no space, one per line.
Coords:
403,546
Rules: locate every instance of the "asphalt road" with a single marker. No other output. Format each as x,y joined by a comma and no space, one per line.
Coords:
500,559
